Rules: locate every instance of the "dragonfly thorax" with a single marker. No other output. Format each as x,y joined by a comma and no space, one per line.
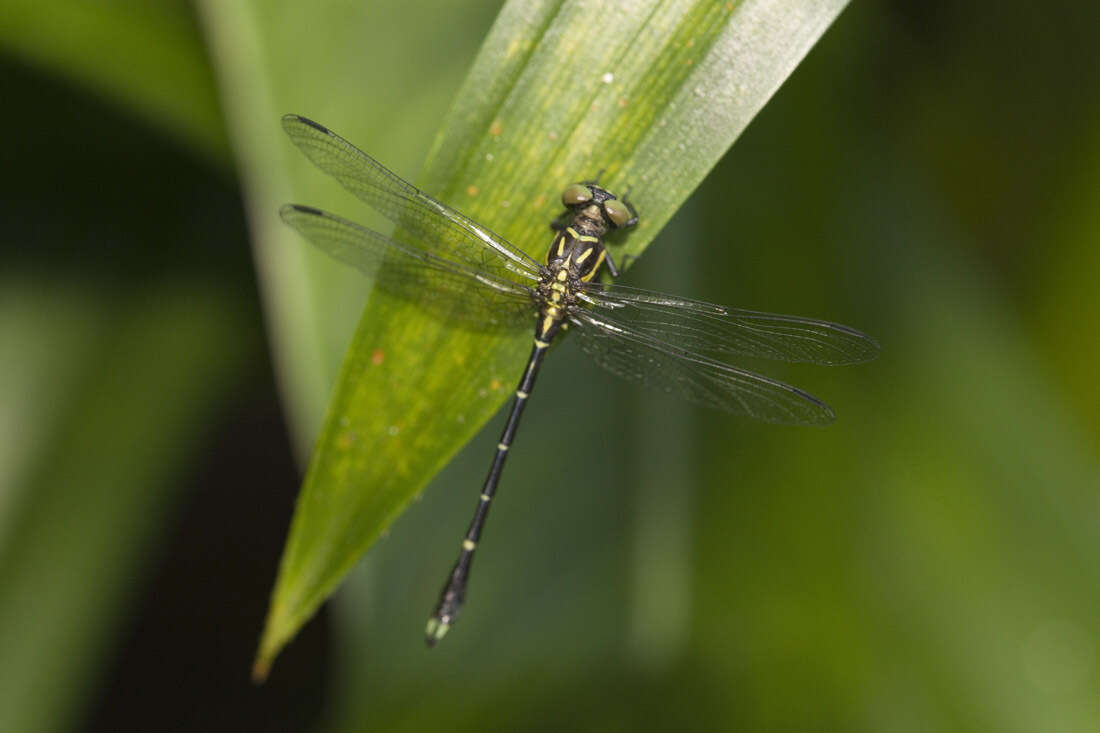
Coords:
574,255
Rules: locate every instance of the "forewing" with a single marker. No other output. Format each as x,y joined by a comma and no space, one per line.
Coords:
434,225
715,330
637,357
455,290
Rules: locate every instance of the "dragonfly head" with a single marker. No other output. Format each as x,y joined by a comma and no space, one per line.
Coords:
594,202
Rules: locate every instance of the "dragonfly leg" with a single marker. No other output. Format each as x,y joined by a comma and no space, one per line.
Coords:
614,269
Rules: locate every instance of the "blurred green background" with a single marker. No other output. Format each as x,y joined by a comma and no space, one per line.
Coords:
930,174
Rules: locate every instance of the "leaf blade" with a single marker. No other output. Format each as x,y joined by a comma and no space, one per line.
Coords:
412,389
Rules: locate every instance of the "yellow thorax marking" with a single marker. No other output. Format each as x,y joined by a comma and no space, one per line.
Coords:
580,237
562,274
595,267
584,255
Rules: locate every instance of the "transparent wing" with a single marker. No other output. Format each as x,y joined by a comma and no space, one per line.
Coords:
716,330
639,358
435,226
450,289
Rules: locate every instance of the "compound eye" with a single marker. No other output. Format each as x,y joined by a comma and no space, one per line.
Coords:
576,194
617,212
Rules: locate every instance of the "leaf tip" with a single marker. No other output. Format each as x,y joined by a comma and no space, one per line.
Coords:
272,641
260,669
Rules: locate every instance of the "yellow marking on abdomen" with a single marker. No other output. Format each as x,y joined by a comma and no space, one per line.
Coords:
541,344
521,394
502,446
468,545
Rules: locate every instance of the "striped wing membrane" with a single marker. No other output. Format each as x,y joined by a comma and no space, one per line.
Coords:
719,331
450,289
433,225
638,357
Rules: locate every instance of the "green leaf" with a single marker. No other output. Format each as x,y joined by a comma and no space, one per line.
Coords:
655,95
279,56
144,56
100,405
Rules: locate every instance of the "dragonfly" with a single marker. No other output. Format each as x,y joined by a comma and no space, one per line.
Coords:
459,269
